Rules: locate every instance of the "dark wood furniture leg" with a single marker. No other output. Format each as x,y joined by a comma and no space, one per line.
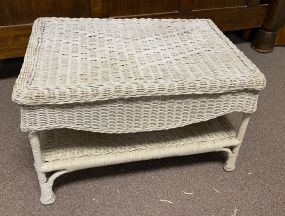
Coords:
275,19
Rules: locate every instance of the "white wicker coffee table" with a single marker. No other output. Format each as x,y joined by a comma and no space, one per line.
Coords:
96,92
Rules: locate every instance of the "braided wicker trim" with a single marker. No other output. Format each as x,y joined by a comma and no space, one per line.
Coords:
136,114
66,149
86,60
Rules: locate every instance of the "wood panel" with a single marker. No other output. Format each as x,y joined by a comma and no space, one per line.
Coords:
186,5
15,12
253,2
280,39
115,8
98,8
14,40
227,19
231,19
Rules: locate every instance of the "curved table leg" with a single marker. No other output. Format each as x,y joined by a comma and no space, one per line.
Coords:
47,195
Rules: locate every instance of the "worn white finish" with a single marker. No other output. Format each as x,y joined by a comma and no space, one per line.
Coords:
136,114
66,150
151,74
86,60
121,76
47,195
233,151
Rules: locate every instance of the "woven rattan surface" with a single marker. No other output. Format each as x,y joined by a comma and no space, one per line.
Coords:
86,60
136,114
64,148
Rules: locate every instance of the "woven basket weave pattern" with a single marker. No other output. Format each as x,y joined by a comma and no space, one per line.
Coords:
119,77
60,147
85,60
67,144
136,114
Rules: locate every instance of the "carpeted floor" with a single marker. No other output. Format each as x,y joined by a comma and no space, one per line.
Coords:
255,188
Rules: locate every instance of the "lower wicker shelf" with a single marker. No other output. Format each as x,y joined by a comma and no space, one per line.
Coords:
71,150
61,151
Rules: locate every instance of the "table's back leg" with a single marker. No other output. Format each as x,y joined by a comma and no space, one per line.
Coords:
233,152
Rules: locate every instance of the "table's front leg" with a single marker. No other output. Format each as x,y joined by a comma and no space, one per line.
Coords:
47,195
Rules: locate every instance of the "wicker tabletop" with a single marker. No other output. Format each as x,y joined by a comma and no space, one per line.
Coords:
85,60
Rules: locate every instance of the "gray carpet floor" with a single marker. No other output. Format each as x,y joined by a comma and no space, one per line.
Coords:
255,188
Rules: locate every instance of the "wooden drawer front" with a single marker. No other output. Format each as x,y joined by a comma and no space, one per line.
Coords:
186,5
114,8
26,11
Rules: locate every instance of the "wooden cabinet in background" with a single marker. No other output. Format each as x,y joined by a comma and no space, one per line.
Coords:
17,16
280,39
126,8
15,12
210,4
